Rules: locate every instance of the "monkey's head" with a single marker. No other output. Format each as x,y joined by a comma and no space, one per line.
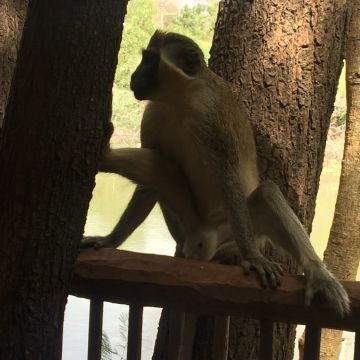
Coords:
169,59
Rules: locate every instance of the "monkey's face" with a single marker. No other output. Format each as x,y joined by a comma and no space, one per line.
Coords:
144,81
178,55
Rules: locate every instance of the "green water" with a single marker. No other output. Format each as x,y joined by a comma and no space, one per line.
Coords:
110,197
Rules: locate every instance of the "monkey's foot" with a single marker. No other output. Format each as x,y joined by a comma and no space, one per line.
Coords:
323,283
268,272
96,242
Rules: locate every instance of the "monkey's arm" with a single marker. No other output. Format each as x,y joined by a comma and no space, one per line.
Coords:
272,216
139,207
161,180
239,216
151,169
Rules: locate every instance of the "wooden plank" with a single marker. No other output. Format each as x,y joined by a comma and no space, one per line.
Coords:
134,332
357,346
312,342
266,340
200,287
95,329
220,343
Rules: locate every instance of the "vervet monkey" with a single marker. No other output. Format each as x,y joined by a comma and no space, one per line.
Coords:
198,160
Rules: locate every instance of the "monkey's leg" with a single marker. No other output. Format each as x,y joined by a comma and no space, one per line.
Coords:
272,216
142,202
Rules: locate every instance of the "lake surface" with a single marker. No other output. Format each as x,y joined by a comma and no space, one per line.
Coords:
110,198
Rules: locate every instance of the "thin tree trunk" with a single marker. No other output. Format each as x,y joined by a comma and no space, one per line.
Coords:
12,15
342,253
59,103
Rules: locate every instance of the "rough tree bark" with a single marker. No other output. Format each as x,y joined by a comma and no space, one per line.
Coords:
342,253
59,101
12,15
284,59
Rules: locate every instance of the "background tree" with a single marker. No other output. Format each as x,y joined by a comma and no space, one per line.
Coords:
12,15
342,253
284,60
59,102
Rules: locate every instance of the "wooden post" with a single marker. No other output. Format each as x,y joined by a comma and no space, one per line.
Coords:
312,342
357,346
134,332
95,329
266,340
221,338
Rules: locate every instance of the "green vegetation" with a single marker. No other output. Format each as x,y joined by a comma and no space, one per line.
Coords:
198,23
106,349
141,21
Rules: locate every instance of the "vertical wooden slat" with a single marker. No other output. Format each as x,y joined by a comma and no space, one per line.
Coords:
220,343
266,340
312,342
95,329
357,346
134,332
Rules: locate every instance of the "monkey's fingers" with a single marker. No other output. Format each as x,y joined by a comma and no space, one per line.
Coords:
269,273
95,242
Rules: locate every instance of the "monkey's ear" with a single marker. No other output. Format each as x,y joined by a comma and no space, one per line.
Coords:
144,80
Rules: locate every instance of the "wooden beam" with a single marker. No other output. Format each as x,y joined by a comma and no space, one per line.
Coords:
207,288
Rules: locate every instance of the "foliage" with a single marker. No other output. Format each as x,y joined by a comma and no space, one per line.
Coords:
126,111
139,25
123,329
198,23
106,349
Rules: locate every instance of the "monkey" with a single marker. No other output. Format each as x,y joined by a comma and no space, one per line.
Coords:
198,160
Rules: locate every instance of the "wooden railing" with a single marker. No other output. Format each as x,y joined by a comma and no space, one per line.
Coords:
161,281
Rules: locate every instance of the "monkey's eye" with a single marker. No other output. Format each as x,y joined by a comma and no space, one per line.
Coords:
200,245
192,62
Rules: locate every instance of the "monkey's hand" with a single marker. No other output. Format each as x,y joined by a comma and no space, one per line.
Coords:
321,282
97,242
268,272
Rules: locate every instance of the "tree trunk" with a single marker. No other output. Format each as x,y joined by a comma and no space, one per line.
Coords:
342,253
59,102
284,59
12,15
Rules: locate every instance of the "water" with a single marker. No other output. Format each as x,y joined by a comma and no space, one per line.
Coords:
110,198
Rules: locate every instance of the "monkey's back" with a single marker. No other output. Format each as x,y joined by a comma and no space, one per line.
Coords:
183,130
